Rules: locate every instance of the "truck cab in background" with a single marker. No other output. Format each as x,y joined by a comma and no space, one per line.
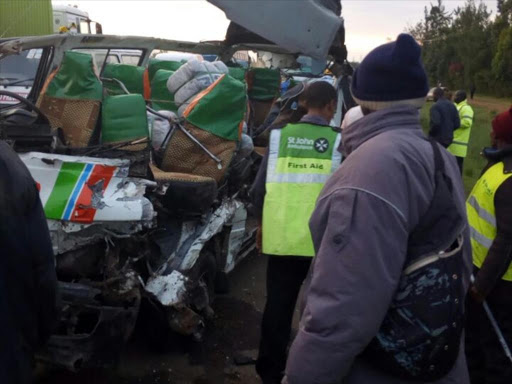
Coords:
65,16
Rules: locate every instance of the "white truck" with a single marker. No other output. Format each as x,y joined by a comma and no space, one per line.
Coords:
66,16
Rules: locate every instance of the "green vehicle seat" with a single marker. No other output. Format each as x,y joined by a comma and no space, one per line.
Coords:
215,119
124,126
161,97
71,98
131,76
155,65
238,73
263,88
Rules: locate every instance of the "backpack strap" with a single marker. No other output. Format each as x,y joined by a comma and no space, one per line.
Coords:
436,226
438,158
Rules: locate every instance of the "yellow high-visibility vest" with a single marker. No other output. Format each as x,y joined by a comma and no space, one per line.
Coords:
482,214
460,143
301,158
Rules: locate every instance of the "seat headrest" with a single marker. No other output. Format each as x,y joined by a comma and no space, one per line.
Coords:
155,65
130,75
76,78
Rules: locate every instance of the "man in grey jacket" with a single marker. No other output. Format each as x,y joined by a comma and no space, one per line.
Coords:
363,221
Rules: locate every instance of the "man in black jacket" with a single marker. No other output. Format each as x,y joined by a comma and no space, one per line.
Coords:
444,119
28,283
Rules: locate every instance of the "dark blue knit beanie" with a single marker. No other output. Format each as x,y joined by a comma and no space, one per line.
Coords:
391,74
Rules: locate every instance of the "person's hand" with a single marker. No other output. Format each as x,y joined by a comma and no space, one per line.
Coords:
475,295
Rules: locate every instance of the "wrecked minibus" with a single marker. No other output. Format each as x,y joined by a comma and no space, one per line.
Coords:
145,191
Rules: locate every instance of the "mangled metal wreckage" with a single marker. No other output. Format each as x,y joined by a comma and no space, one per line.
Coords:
136,212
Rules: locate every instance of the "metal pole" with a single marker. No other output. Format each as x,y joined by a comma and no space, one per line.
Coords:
496,327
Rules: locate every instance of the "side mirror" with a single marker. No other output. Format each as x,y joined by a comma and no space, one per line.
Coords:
99,29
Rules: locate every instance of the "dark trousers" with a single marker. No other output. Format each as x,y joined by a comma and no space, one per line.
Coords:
285,275
486,359
460,163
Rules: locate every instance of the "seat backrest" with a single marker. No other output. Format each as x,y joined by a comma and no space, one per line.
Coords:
123,119
263,88
182,155
131,76
155,65
263,84
238,73
71,98
215,119
124,122
161,97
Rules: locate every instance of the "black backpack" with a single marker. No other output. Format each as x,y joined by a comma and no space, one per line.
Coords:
420,336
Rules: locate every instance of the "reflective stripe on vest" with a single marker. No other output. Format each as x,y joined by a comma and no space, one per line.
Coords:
482,214
301,159
459,145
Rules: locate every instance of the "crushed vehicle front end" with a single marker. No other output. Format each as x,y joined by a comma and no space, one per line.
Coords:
123,230
147,201
98,219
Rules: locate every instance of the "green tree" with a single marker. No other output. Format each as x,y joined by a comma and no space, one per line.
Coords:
502,63
468,47
500,75
431,32
504,8
471,36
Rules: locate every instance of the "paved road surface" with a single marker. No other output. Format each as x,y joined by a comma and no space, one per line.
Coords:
236,328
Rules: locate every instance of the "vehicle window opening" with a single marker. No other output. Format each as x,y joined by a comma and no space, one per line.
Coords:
19,73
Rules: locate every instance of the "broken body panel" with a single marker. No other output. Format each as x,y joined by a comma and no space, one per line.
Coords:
309,28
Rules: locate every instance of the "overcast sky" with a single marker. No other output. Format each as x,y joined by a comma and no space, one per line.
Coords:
369,23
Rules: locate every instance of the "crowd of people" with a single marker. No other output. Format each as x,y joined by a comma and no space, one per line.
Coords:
372,220
384,238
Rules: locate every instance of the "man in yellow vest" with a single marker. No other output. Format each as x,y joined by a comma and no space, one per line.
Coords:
459,146
300,159
489,210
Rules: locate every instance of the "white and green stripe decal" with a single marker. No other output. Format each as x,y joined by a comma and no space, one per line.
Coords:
66,184
84,189
70,181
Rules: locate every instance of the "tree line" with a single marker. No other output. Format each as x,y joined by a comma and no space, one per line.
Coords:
469,47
